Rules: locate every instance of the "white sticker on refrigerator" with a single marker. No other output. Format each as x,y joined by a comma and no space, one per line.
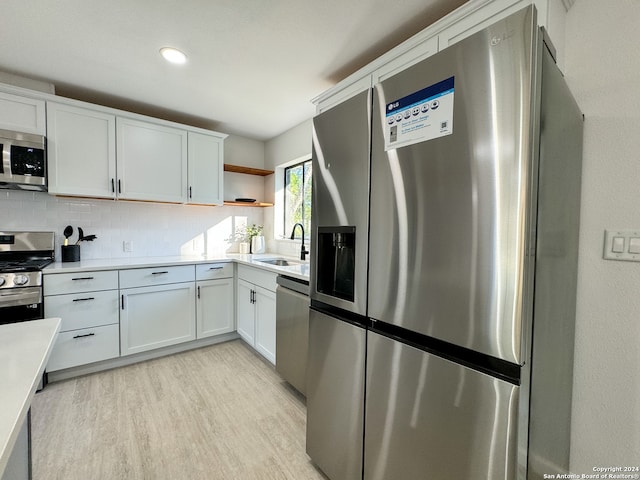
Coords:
420,116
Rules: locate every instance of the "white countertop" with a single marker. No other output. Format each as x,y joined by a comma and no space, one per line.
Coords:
24,352
298,270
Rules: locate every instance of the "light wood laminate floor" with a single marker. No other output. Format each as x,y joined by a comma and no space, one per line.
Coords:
218,412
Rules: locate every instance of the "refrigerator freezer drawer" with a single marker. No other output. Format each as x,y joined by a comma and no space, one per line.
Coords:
335,396
427,417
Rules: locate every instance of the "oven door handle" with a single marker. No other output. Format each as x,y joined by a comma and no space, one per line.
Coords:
20,296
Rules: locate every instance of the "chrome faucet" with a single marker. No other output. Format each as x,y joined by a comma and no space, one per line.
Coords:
303,251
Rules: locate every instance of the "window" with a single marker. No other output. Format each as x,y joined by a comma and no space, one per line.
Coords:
297,198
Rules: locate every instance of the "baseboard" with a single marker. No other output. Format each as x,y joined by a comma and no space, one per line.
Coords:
138,357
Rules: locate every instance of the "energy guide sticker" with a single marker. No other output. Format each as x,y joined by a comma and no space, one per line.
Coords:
420,116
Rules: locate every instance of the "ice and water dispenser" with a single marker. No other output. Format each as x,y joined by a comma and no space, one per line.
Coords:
336,262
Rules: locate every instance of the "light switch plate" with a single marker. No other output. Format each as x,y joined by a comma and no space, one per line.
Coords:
614,239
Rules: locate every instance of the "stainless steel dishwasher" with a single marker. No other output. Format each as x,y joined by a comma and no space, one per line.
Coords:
292,330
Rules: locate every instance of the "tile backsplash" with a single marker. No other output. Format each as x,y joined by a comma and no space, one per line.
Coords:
154,229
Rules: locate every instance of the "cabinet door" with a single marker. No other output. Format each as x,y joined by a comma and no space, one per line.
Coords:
81,149
154,317
266,323
151,161
246,312
205,169
214,312
22,114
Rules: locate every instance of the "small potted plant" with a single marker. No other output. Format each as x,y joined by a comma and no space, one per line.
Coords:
254,232
249,238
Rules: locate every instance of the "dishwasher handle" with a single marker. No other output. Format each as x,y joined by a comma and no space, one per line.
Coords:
300,286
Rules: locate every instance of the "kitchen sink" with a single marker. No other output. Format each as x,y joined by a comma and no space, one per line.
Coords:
280,262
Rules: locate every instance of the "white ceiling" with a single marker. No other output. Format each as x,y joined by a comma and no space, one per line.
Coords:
253,65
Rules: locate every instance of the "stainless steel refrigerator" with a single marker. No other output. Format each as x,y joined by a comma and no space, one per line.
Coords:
474,202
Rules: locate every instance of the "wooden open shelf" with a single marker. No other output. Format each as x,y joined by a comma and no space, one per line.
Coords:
247,170
247,204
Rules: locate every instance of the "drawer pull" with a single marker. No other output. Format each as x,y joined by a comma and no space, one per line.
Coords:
87,335
83,299
83,278
159,273
216,268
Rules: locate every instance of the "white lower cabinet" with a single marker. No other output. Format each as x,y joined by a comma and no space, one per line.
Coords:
156,316
246,324
265,303
80,347
87,303
256,310
214,307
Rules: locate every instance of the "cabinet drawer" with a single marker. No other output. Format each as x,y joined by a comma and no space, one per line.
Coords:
83,310
62,283
88,345
212,271
258,277
143,277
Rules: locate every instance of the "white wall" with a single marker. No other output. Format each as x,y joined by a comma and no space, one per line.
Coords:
246,152
603,71
292,145
154,229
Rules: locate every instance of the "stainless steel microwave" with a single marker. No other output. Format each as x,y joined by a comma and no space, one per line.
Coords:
24,163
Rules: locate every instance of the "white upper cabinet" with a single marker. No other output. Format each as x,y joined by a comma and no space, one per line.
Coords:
81,150
22,114
94,152
489,13
342,92
151,161
466,20
403,61
206,161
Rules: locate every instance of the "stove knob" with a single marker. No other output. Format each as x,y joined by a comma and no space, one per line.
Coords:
2,280
20,280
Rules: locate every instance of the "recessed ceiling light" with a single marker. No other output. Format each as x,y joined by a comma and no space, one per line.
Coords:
173,55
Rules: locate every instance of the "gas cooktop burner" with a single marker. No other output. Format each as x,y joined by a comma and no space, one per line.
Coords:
24,265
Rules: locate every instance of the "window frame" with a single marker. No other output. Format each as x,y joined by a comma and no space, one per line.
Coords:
286,169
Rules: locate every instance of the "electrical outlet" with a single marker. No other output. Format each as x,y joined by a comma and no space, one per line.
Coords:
127,246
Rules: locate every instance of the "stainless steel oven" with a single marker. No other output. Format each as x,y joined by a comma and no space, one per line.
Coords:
24,163
23,255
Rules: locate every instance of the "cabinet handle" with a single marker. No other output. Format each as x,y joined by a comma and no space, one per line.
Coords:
113,185
83,299
190,193
253,296
82,278
159,273
216,268
87,335
119,186
198,291
122,301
